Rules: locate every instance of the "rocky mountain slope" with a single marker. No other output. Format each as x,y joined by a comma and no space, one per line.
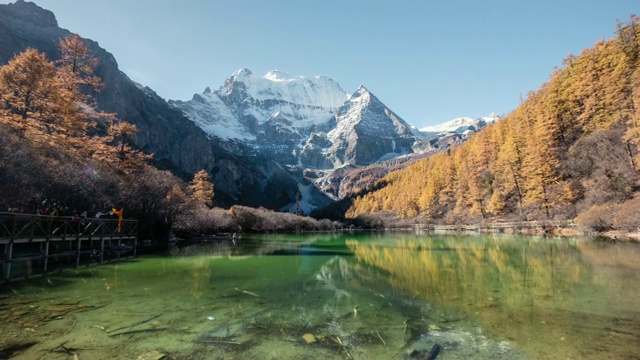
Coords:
366,131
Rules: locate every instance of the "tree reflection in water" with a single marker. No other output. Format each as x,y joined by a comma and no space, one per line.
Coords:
547,295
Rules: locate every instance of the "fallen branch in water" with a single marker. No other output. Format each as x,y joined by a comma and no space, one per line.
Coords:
214,341
137,331
344,347
136,324
68,350
74,321
380,337
248,292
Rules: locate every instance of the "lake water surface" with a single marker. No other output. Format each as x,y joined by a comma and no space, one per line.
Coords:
339,296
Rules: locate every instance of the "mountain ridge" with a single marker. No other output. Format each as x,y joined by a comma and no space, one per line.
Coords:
306,121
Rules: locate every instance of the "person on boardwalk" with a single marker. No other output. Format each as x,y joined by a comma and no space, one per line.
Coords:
119,214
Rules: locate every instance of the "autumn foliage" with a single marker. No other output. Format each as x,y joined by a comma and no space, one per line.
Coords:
55,146
570,146
202,188
59,147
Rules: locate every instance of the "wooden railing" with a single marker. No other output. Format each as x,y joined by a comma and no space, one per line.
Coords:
36,245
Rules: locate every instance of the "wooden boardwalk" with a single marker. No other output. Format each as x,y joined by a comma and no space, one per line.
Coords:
37,245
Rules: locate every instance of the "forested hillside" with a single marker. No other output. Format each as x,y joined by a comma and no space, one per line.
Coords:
61,155
569,150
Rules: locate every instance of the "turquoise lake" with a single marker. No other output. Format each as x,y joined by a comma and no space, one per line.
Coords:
339,296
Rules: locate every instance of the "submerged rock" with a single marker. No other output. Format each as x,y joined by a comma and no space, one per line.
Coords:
152,355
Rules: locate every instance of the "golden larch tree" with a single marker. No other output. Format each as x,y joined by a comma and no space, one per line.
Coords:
29,97
202,188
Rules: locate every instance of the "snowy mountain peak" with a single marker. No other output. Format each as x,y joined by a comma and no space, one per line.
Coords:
318,91
242,74
362,96
274,111
460,124
366,131
492,118
276,75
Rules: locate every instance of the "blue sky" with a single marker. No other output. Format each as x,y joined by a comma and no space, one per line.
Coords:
429,61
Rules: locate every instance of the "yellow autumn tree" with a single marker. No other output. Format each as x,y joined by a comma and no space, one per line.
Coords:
508,168
202,188
541,164
51,98
629,35
29,96
75,74
122,131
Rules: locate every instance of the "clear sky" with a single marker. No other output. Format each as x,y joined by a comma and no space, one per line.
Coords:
429,60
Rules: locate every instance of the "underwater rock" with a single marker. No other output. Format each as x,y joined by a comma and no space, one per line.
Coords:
412,353
423,355
152,355
433,353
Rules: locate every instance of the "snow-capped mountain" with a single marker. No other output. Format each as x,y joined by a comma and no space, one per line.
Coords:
366,131
310,122
458,125
274,113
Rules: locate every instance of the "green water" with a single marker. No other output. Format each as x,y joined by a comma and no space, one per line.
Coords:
339,296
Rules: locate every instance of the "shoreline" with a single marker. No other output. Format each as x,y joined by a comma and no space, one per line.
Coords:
528,229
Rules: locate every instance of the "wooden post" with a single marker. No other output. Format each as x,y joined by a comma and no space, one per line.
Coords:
70,248
9,257
78,248
46,256
101,249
